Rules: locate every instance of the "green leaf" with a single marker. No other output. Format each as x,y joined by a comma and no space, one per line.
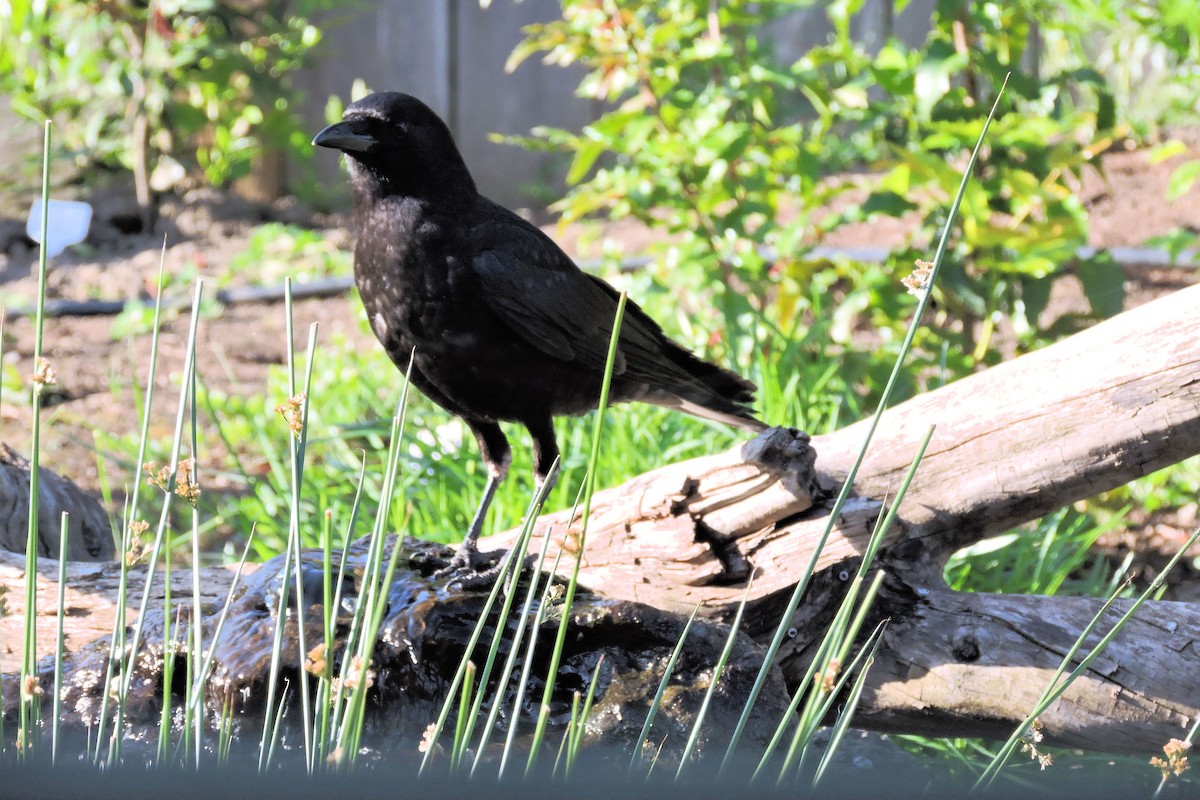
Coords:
586,153
891,72
887,203
1035,296
1175,242
1182,178
1166,150
1104,284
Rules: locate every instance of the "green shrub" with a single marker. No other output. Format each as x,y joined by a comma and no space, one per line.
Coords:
146,86
712,139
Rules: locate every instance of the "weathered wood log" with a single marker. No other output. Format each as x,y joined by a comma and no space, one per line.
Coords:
1067,422
427,627
91,600
89,535
1042,431
1080,417
956,663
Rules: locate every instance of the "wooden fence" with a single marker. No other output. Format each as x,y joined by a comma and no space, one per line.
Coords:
451,54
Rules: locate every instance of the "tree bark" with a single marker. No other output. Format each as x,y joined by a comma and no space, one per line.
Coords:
961,664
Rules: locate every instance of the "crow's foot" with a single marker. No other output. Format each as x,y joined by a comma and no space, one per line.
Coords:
470,569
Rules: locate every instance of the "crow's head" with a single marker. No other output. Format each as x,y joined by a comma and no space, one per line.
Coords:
395,144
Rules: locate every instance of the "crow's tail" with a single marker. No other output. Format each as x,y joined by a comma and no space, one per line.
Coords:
707,391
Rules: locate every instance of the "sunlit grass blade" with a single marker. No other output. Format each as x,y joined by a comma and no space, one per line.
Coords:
543,612
511,578
560,754
668,671
296,444
884,399
356,670
329,702
293,562
225,731
127,537
196,700
460,674
847,713
56,704
328,621
579,725
467,690
162,532
836,643
352,727
820,699
169,653
589,488
523,617
276,718
718,670
193,723
29,702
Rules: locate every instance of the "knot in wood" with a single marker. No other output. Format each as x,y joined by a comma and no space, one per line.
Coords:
966,647
783,450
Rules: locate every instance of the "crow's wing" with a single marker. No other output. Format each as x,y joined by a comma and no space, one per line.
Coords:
563,313
539,293
537,290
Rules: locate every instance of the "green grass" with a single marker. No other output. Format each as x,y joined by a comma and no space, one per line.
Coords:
1053,556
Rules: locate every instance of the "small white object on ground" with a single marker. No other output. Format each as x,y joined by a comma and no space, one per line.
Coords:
68,224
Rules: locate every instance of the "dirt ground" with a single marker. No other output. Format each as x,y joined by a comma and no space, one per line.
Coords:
204,230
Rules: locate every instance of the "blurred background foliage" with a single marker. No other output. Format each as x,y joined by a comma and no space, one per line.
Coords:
748,163
160,88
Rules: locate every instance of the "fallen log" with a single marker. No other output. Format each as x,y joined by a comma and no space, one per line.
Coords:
962,664
1083,416
1042,431
1062,424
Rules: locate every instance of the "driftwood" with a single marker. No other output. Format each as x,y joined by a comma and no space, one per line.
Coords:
1078,418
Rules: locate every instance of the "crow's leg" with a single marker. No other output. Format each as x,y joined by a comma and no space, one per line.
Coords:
545,451
493,447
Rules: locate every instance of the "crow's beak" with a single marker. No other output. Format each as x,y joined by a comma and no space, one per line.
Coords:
349,136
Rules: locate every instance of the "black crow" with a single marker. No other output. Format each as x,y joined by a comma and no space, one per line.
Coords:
500,323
